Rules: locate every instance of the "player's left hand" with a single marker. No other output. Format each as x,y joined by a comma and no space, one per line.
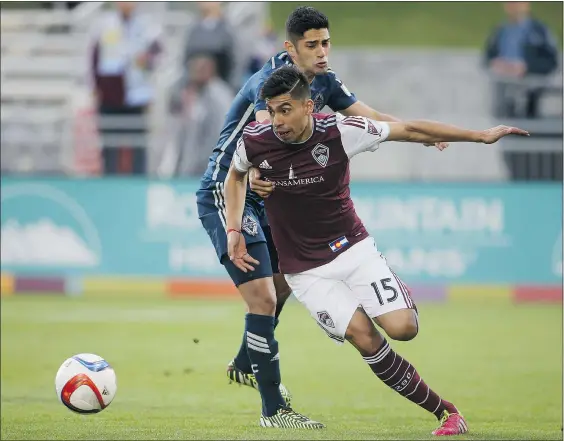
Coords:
439,145
237,251
260,187
490,136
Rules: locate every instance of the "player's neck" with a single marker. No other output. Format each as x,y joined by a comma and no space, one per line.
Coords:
310,77
306,134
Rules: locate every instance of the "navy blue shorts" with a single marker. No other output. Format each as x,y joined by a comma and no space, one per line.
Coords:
254,226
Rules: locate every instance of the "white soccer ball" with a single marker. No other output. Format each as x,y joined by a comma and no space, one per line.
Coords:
86,383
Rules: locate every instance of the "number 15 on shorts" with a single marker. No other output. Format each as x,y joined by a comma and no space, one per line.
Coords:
390,289
384,291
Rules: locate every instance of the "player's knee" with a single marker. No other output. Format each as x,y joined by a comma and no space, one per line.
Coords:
264,305
400,325
405,329
260,296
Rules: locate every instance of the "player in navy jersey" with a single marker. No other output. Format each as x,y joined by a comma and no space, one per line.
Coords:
327,256
307,48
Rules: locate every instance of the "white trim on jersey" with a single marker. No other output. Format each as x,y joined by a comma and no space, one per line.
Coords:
321,125
326,122
257,132
259,128
232,137
273,63
329,120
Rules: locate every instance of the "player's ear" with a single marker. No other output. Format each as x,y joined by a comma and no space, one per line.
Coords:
290,48
309,107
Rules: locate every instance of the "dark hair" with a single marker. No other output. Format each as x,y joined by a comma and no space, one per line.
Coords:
303,19
286,79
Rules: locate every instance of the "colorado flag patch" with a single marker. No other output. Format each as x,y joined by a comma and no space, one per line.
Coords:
339,244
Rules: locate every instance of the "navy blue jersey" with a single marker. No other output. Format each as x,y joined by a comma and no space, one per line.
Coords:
326,90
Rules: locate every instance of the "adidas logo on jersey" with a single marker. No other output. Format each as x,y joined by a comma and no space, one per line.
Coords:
265,165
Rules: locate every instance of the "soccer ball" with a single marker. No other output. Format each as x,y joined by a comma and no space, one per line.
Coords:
86,383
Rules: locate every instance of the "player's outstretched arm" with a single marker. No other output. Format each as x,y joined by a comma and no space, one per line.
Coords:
361,109
431,132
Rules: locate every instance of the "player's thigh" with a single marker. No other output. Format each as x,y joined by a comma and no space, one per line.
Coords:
271,248
257,286
283,290
375,285
211,210
329,301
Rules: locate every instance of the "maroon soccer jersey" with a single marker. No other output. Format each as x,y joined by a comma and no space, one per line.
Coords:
311,213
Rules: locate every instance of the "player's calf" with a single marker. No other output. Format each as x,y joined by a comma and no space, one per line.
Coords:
262,347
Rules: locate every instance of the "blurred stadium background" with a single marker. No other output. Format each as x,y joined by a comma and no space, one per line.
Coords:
102,250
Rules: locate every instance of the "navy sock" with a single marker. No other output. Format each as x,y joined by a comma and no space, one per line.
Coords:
265,364
242,360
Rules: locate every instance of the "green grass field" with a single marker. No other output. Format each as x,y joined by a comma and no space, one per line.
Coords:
421,24
501,364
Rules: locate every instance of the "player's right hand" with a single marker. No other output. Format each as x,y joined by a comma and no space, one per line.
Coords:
237,251
260,187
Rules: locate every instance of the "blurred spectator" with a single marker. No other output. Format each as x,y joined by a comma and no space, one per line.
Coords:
124,55
212,35
265,45
59,5
518,48
205,100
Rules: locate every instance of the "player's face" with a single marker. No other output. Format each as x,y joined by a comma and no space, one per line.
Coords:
311,53
290,118
516,10
126,8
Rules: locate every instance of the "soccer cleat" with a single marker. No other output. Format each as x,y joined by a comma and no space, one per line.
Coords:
286,418
451,424
238,376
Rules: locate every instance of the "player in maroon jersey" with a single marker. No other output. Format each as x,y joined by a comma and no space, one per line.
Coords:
325,253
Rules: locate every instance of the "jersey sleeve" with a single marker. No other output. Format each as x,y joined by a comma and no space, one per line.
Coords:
251,90
340,98
260,104
240,161
360,134
259,81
